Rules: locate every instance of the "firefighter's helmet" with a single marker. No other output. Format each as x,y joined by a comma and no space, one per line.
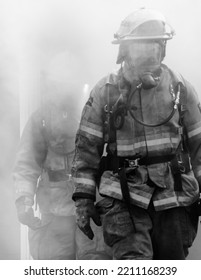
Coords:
143,24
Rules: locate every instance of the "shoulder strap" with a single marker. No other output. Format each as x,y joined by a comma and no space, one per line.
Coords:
109,99
178,80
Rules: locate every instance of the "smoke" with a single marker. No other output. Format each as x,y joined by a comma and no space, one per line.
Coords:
9,133
33,33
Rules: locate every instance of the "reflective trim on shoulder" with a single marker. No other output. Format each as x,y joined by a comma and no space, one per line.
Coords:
91,131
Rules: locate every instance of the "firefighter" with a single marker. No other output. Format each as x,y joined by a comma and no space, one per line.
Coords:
42,172
139,143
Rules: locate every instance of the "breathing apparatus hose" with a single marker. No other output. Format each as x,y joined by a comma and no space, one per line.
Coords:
175,106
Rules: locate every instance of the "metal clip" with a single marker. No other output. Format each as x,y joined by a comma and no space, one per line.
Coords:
133,163
68,177
106,109
177,99
139,86
181,164
172,92
180,130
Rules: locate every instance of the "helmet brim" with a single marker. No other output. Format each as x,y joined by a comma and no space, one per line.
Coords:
129,38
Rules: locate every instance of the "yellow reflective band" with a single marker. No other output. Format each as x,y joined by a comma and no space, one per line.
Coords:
154,142
131,147
139,198
116,189
162,141
91,131
194,132
165,201
84,181
170,200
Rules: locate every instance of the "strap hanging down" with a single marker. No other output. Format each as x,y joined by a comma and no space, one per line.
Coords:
125,193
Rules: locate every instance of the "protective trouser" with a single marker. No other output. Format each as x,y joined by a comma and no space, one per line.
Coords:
55,240
158,235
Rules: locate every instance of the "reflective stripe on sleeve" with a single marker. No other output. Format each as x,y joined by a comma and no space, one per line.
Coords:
84,181
194,132
91,131
165,201
114,190
171,201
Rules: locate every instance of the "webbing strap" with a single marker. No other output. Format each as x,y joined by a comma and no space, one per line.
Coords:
125,193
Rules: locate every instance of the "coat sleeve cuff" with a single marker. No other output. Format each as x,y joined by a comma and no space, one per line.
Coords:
78,195
24,189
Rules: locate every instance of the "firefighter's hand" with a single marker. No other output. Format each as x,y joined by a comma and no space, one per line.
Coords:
85,210
25,213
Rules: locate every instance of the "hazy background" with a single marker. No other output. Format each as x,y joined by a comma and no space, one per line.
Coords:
33,32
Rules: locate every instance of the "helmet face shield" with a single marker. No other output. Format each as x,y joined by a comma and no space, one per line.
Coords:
144,55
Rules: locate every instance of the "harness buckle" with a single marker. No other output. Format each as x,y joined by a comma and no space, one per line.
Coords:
132,163
106,110
181,163
68,177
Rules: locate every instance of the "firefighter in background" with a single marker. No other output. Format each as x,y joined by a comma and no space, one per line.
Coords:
139,141
43,166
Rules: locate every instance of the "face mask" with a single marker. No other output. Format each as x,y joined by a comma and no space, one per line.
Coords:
144,56
142,60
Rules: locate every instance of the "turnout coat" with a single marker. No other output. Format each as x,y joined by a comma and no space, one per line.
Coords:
133,139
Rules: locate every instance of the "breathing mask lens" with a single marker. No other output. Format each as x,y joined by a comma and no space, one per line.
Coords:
144,56
143,59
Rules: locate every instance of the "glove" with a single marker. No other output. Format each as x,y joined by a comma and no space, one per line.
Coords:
25,213
85,210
